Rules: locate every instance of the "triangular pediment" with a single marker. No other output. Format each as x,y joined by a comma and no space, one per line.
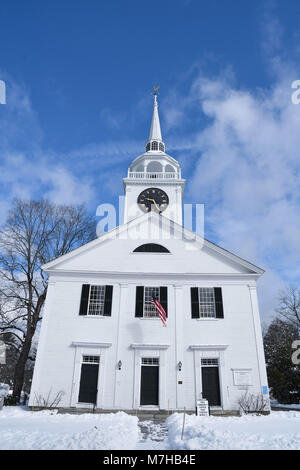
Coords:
189,253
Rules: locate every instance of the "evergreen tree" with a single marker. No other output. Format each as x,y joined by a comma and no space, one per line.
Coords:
283,374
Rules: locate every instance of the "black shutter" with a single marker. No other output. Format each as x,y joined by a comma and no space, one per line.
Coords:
108,300
139,301
195,302
85,292
163,294
219,302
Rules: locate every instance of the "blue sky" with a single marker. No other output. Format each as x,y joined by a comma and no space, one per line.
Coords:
79,77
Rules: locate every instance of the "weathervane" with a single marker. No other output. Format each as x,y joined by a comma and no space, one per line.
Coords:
156,92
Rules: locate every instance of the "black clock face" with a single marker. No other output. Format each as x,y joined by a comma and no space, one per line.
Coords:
153,199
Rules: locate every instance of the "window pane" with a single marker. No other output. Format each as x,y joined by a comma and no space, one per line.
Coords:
149,309
91,359
207,302
96,303
150,361
209,362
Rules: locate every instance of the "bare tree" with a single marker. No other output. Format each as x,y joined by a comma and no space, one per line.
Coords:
35,232
289,305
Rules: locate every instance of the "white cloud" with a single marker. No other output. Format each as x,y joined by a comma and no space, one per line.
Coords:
111,119
247,171
27,171
66,188
22,177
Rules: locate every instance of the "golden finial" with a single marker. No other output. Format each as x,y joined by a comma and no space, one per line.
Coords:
156,90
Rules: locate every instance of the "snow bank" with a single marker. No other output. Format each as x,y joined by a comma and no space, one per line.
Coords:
294,406
279,430
23,429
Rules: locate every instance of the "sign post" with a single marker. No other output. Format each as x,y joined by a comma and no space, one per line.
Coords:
202,407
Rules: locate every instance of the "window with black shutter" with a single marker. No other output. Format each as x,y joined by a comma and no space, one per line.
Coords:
139,301
163,294
219,302
96,300
144,306
206,302
85,293
108,301
195,302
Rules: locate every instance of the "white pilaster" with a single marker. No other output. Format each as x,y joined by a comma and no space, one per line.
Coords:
180,385
120,374
258,339
36,380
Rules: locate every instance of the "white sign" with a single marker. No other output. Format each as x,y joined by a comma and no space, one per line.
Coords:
242,377
202,408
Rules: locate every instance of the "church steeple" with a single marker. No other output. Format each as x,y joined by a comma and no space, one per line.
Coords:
155,142
154,174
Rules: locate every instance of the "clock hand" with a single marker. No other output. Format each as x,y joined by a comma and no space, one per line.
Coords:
157,207
154,202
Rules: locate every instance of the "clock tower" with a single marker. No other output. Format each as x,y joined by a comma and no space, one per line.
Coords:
154,182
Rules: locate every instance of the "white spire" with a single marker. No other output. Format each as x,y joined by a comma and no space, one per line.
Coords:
155,142
155,132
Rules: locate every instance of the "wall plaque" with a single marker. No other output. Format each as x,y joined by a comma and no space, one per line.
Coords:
242,377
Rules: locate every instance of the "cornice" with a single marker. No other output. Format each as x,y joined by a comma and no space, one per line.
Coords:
85,344
185,278
149,346
210,347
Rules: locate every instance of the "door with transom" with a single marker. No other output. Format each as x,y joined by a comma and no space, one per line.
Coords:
211,381
149,381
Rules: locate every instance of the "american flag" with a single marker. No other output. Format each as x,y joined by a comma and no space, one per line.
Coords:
160,310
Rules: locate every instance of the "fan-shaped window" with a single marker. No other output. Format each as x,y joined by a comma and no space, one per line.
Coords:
154,145
151,248
155,167
169,169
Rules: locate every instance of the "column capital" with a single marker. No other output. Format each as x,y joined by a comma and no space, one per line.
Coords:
252,287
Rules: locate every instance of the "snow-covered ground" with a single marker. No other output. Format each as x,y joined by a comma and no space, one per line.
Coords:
153,434
24,429
279,430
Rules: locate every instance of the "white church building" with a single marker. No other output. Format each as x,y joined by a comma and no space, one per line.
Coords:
102,343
